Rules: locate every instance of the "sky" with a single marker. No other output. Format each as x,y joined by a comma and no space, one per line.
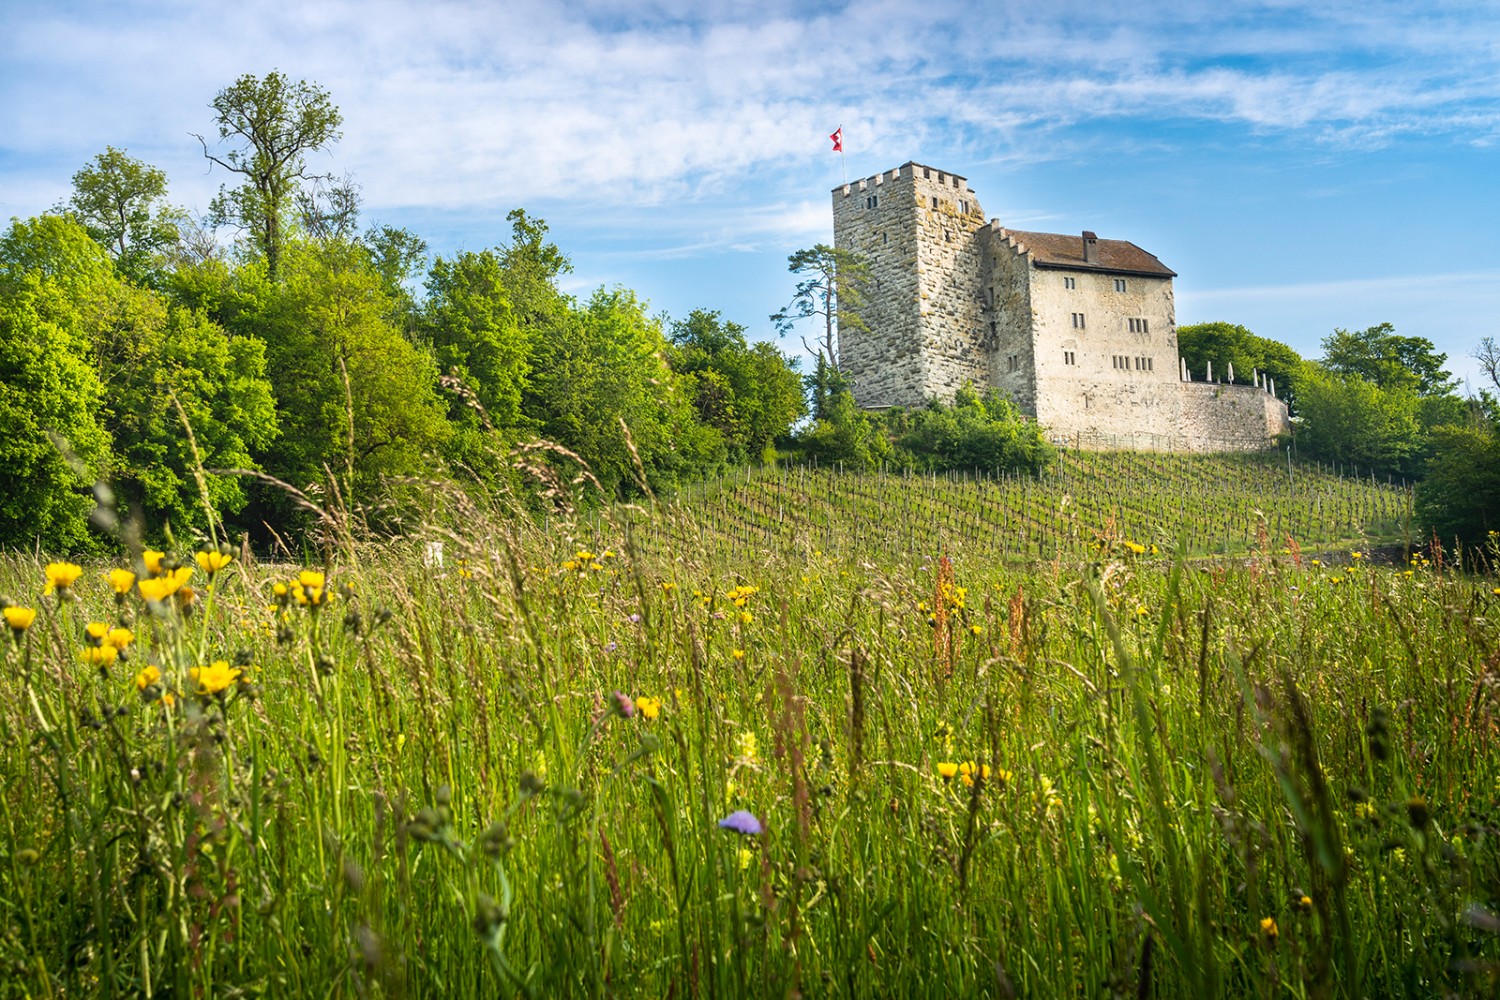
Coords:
1302,166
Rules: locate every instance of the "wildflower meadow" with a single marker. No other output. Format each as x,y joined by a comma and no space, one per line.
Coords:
666,750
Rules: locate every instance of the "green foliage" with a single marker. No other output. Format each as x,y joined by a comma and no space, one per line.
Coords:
604,371
1226,344
357,401
845,435
985,433
274,123
473,332
167,369
833,289
1459,498
751,394
1381,356
1346,418
121,202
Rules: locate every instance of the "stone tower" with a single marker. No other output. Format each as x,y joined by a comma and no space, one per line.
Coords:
928,328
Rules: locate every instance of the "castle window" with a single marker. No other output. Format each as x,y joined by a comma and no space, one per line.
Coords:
885,238
1070,358
963,207
1119,284
926,174
934,201
1078,321
1013,362
1070,282
1138,326
872,201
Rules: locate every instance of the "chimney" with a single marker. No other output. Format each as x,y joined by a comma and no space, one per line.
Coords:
1090,248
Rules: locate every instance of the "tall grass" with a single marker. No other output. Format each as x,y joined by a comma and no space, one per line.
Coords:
1170,778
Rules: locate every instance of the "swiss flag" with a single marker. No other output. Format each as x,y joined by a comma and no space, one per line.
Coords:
838,139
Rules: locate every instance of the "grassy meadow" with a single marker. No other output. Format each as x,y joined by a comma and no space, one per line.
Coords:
1012,738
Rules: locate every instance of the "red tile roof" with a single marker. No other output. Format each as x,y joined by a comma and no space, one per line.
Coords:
1054,250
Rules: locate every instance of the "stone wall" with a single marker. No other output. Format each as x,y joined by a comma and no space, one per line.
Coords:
1219,417
915,226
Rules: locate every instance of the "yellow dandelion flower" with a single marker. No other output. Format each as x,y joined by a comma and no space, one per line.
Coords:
668,586
215,677
120,581
156,588
95,632
738,654
147,677
746,618
947,769
19,619
310,578
648,706
119,637
212,560
62,575
100,656
1268,927
977,629
151,559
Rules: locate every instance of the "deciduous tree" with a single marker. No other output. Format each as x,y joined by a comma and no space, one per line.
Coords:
122,203
272,124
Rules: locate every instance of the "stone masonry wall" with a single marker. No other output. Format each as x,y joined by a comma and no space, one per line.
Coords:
914,225
876,217
1218,417
1006,284
1124,370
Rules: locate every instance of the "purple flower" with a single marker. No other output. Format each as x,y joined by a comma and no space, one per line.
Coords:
624,706
635,619
741,821
611,647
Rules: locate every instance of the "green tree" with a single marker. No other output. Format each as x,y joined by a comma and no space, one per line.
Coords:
54,284
162,364
399,256
274,124
751,393
833,289
1380,355
473,332
1223,344
1459,497
532,266
122,203
606,365
357,401
1347,418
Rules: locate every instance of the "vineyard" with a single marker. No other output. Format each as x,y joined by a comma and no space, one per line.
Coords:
1205,505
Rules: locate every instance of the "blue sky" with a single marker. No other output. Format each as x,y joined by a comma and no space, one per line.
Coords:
1301,166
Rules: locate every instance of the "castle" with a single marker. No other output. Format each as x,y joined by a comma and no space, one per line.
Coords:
1079,332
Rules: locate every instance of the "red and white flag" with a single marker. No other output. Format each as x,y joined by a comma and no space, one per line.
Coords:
838,139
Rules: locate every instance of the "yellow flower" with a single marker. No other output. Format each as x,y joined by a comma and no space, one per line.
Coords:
746,856
19,619
746,618
95,632
968,769
100,656
156,589
147,677
151,558
214,678
119,637
746,746
310,579
947,769
668,586
738,654
212,560
1268,927
62,575
120,581
647,706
